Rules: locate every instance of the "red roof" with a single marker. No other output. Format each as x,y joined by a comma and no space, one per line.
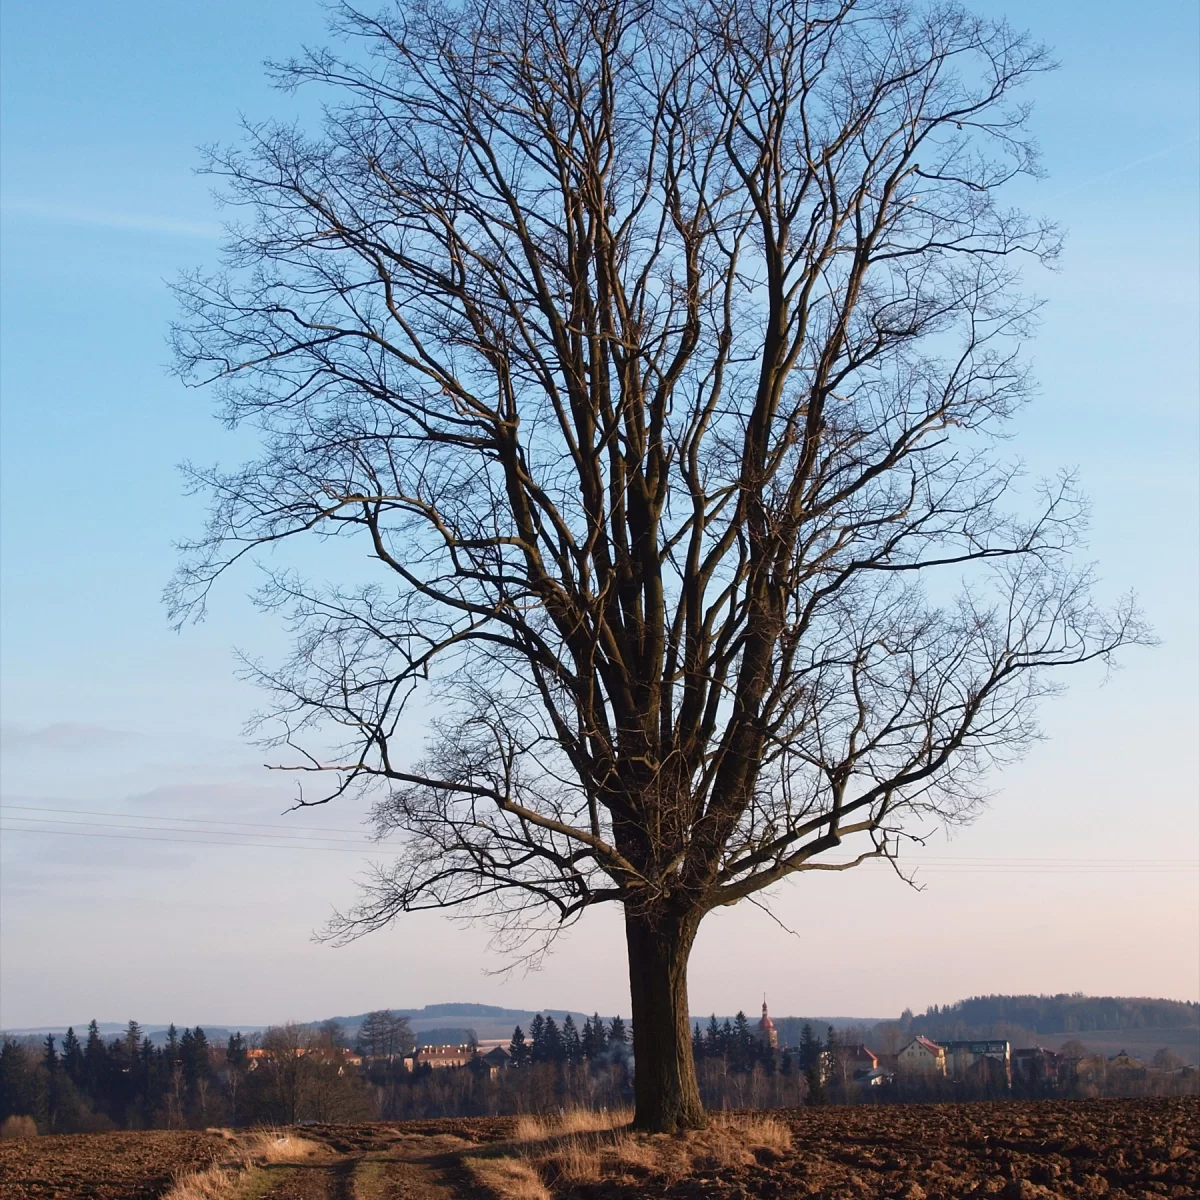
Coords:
932,1047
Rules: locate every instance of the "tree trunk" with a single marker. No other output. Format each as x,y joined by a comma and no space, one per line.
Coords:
665,1092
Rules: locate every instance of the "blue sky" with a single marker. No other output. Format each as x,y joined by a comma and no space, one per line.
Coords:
107,711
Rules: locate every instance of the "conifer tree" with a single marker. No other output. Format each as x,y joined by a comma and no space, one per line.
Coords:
810,1047
554,1041
743,1048
53,1082
537,1039
697,1041
172,1047
72,1056
517,1049
712,1037
187,1057
133,1039
617,1034
572,1047
201,1066
599,1037
95,1060
235,1051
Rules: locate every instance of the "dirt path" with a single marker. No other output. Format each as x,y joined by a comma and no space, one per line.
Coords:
380,1165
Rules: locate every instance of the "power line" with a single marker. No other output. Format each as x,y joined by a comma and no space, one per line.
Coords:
85,812
966,862
133,837
944,865
285,837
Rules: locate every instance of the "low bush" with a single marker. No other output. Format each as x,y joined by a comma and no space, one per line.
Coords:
18,1127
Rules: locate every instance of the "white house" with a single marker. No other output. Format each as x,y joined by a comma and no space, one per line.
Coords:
921,1056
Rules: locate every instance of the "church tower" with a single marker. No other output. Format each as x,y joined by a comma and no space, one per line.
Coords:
766,1029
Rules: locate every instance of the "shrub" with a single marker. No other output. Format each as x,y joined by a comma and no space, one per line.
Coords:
18,1127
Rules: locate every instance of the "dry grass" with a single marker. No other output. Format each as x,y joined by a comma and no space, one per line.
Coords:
758,1131
279,1146
508,1178
573,1120
240,1177
18,1127
578,1147
213,1183
370,1180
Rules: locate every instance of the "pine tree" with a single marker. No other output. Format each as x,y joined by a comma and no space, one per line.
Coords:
537,1039
200,1049
712,1037
595,1038
72,1056
572,1047
172,1047
95,1062
816,1084
53,1082
697,1041
555,1051
617,1035
235,1051
187,1057
812,1061
742,1045
133,1039
517,1049
810,1047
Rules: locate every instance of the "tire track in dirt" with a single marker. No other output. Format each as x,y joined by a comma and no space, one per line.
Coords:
385,1166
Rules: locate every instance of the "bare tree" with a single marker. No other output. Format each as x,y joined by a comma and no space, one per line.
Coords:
655,353
383,1034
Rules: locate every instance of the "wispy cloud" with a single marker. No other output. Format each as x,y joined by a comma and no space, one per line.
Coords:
63,736
1164,152
109,219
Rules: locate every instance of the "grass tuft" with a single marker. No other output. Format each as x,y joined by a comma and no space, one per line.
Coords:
18,1127
242,1177
578,1147
508,1178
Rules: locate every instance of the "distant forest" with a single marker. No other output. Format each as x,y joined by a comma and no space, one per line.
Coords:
1064,1013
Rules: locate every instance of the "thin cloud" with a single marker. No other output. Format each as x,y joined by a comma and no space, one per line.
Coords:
108,219
63,736
1129,166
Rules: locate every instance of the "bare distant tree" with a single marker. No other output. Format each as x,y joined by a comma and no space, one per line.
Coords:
653,352
289,1066
383,1033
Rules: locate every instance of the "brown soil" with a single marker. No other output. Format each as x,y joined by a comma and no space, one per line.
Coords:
1010,1151
107,1166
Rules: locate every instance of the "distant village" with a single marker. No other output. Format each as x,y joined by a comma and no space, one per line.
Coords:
377,1067
983,1066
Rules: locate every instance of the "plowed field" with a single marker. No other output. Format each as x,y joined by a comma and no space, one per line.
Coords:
1009,1151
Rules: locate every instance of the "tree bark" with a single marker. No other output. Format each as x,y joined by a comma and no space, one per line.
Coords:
666,1095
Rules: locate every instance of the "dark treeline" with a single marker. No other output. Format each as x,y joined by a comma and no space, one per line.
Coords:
293,1073
1062,1013
125,1082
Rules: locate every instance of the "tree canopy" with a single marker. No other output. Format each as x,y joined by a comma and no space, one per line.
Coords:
655,355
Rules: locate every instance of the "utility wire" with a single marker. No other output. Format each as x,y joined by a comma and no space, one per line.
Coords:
959,860
87,812
943,864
